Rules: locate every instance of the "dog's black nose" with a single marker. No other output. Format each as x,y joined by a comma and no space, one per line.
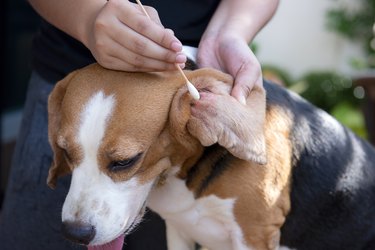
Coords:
78,232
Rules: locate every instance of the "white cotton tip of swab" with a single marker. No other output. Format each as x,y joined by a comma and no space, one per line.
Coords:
193,91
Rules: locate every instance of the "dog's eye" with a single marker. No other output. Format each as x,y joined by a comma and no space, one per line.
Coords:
124,164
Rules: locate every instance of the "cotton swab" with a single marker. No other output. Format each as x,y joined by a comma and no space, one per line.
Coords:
192,90
143,8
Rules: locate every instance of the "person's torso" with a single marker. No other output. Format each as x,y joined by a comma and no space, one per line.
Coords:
55,54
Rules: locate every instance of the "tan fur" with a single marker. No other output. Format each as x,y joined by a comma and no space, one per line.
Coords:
59,165
155,115
262,190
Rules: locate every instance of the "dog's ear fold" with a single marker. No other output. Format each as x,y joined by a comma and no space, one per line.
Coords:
59,166
219,118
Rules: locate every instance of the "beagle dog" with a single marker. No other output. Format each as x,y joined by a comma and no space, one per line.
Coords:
274,173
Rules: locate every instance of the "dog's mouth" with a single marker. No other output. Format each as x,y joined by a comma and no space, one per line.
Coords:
115,244
118,242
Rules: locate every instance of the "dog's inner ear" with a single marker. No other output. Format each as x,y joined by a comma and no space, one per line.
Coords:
219,118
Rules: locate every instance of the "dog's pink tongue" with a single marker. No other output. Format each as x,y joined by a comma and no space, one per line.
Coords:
116,244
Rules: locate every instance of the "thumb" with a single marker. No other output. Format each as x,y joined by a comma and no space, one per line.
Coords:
244,82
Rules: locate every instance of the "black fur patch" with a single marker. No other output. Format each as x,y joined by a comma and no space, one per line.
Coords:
333,181
214,161
190,65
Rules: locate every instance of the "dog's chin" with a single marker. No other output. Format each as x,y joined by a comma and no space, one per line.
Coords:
136,221
118,242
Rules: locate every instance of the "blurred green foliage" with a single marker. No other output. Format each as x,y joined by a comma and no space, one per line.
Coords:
336,94
348,114
330,91
327,89
356,25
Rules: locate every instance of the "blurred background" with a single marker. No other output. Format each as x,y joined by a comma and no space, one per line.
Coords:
325,51
322,49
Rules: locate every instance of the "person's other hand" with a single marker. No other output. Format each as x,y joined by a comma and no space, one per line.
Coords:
231,54
122,37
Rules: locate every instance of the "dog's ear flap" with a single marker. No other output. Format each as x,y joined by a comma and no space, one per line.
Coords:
59,166
219,118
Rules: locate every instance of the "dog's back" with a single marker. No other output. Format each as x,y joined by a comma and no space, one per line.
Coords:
333,180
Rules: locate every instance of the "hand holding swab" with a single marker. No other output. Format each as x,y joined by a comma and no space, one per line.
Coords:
192,90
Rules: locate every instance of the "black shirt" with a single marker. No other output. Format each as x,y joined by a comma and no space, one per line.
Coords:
55,53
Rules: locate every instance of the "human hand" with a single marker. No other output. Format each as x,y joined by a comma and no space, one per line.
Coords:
121,37
231,54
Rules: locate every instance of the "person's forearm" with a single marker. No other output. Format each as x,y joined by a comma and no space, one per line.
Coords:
71,16
241,17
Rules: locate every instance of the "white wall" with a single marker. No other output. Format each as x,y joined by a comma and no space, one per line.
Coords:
297,40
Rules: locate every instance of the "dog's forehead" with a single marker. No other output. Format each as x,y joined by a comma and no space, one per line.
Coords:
141,102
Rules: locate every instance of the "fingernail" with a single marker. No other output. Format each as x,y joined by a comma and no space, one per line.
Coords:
176,46
242,100
181,65
181,58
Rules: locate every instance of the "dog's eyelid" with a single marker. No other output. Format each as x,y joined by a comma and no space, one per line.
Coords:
119,165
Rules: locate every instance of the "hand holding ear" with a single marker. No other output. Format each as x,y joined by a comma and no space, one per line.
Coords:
220,118
231,54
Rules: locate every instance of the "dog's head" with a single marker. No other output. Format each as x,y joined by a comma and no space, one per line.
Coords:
118,132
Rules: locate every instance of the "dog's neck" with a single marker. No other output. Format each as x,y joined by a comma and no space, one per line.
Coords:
211,163
195,164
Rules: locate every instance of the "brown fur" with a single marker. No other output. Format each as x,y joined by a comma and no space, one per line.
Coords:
155,115
263,191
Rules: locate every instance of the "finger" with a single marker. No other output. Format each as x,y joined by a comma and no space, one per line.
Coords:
244,82
142,45
135,62
153,14
175,46
108,26
150,12
115,63
142,25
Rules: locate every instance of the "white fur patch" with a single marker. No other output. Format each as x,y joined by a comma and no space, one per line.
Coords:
93,197
286,248
190,52
208,220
